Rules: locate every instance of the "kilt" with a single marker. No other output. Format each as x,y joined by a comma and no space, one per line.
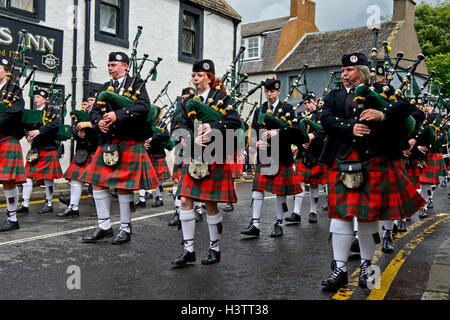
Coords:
134,171
47,167
386,193
75,171
413,172
11,161
435,168
218,186
176,173
237,168
284,183
314,176
161,168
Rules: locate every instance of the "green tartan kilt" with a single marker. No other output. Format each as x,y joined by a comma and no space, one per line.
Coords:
11,161
435,168
286,182
134,171
386,193
218,186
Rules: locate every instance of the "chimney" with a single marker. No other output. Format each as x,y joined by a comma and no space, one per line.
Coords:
304,10
404,10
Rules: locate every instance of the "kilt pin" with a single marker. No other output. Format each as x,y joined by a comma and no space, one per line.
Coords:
286,181
217,186
47,167
11,160
134,171
386,193
435,168
161,168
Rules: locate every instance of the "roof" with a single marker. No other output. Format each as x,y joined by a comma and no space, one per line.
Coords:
218,6
269,55
326,48
258,28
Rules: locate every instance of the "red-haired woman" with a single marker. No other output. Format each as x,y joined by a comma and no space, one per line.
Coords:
218,185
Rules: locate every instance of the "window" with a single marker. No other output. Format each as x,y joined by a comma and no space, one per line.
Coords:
253,48
111,22
295,94
190,43
32,9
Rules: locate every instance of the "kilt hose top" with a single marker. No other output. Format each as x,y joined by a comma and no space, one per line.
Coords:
386,193
161,168
285,182
11,160
46,168
435,168
217,186
133,172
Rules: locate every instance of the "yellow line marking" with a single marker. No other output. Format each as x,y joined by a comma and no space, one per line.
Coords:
394,266
346,292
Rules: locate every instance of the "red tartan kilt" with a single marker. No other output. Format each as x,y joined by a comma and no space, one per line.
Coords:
236,171
47,167
314,176
285,182
386,193
74,172
413,172
161,168
435,168
134,171
11,161
218,186
176,174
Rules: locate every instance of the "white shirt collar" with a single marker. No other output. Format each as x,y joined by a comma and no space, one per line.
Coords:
205,94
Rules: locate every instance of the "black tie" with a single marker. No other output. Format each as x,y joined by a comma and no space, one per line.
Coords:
116,84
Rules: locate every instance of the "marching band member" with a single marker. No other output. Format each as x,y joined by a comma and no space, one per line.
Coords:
11,162
215,187
364,152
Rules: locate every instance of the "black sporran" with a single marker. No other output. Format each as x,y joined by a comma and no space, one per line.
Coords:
81,157
308,159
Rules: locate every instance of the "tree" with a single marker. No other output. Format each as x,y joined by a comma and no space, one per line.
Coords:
432,27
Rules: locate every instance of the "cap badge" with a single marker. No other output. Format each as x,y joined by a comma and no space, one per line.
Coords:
354,59
119,57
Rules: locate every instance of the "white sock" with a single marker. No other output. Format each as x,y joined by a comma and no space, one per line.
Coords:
280,210
258,199
158,191
103,205
76,187
424,191
314,198
298,200
214,235
366,240
341,248
142,194
187,219
177,203
26,192
388,225
125,203
174,190
49,185
355,227
12,197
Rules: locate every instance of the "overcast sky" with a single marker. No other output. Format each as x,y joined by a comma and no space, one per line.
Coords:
330,14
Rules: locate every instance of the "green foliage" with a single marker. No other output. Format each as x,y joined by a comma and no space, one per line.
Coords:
432,27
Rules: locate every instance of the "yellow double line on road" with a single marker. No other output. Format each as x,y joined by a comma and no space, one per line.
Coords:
394,266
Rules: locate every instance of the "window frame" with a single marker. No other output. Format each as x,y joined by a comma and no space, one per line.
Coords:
122,39
37,16
198,15
245,42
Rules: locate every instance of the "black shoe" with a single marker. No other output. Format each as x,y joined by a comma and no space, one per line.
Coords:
158,202
387,246
69,213
9,226
98,234
184,258
336,280
122,237
212,257
139,203
45,209
430,203
294,218
312,217
401,227
366,275
355,245
148,196
175,220
65,201
198,214
277,230
22,209
394,229
423,213
251,230
229,207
